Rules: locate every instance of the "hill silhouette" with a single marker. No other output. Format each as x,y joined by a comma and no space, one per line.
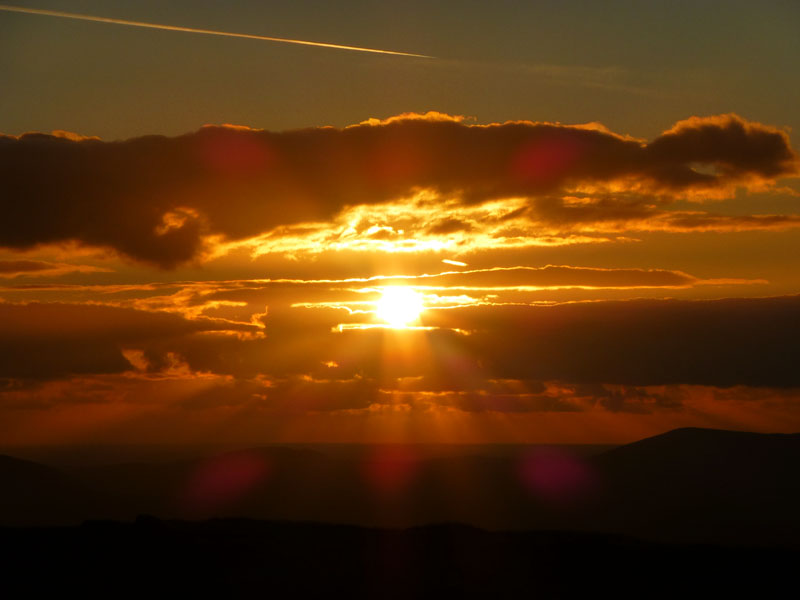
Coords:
687,485
703,484
35,494
242,558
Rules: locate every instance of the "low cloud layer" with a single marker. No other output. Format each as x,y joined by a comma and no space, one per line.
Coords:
109,372
545,310
641,342
48,341
164,201
40,268
729,342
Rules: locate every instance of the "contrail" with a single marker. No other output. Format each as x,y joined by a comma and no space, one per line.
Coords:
263,38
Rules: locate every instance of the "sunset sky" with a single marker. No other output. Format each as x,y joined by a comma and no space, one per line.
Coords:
572,222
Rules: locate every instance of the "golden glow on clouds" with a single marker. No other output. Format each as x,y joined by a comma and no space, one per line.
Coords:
432,225
409,184
425,223
403,303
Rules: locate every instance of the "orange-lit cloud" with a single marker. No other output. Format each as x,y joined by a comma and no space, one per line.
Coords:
549,297
125,408
157,199
245,305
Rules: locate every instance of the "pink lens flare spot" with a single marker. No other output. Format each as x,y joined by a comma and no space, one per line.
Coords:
235,153
390,470
223,480
396,162
556,476
545,161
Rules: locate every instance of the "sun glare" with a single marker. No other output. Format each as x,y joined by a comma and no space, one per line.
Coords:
399,306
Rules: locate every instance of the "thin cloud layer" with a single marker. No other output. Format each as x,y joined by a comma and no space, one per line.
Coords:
40,268
167,201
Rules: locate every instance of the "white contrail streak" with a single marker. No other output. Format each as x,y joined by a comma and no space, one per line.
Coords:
263,38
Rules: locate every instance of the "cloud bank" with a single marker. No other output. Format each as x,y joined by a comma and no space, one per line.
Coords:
166,201
727,342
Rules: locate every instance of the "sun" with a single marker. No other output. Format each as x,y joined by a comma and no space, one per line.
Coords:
399,306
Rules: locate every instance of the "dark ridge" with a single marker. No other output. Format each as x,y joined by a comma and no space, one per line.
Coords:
684,486
34,494
692,439
243,558
703,484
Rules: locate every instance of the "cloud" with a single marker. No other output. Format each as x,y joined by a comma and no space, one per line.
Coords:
747,341
167,201
288,328
731,146
46,341
634,357
482,401
515,396
610,214
726,342
252,302
39,268
550,276
14,268
628,399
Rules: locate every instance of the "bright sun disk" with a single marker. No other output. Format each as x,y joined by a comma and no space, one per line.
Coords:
399,306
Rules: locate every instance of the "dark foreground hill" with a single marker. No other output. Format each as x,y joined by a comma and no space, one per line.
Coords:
31,493
241,558
703,484
686,486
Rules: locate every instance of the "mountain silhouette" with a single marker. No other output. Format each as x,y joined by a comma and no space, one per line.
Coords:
703,484
241,558
687,485
35,494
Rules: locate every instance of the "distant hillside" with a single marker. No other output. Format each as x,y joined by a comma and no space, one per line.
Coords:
687,485
703,484
34,494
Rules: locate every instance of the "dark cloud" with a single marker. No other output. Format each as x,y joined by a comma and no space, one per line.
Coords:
729,145
507,403
752,342
614,356
45,341
40,268
16,267
628,399
748,342
450,225
606,213
156,198
292,395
